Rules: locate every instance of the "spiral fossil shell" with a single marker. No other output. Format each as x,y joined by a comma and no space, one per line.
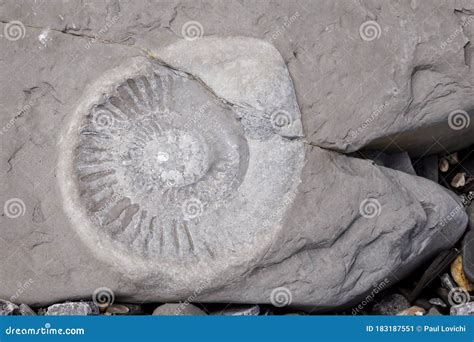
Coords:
157,169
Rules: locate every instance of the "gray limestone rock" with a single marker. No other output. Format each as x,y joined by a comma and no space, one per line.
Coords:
245,310
330,252
397,161
433,312
7,308
25,310
418,97
158,159
172,169
124,309
181,309
391,305
466,309
72,309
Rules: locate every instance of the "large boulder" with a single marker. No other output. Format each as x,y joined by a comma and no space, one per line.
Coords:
183,173
353,227
392,76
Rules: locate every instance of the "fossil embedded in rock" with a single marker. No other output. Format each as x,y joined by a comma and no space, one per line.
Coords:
163,169
146,170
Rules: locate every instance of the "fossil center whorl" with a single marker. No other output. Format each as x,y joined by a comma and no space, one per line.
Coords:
172,158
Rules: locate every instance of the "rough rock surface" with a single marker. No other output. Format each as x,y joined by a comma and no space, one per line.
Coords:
249,310
398,220
72,309
178,310
7,308
291,223
397,161
433,312
468,255
25,310
391,305
466,309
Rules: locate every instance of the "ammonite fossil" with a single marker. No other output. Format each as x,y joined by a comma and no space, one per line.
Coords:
157,169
